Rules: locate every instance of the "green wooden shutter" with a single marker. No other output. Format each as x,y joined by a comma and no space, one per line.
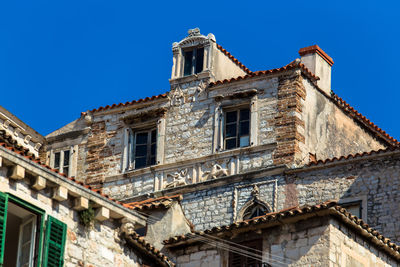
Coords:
55,243
3,223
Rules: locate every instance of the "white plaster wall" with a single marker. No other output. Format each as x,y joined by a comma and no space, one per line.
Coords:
328,131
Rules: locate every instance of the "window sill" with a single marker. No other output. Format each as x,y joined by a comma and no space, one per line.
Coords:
189,78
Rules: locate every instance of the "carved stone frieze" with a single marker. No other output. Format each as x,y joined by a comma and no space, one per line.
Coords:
216,171
178,179
177,96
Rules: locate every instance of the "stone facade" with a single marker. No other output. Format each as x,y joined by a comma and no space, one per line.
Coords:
291,149
314,241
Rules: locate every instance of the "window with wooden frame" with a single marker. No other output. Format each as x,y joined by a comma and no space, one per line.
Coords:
251,257
61,161
193,61
236,128
25,241
142,148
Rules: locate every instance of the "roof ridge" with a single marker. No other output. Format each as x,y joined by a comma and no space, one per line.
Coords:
235,60
129,103
145,245
292,65
352,156
346,107
306,209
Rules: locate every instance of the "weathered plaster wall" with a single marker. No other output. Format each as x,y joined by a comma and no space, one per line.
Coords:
224,67
165,223
95,247
329,132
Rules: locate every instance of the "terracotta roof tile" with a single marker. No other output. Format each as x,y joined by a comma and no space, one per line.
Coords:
353,156
336,210
7,140
153,203
292,65
142,100
140,242
357,115
231,57
23,152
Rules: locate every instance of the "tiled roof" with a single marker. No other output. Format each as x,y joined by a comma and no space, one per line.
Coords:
142,100
231,57
153,203
7,140
292,65
12,146
353,156
357,115
141,243
271,218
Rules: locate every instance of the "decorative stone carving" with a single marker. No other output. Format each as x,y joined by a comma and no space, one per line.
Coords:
178,179
6,123
199,90
88,119
176,96
216,172
254,201
194,32
194,38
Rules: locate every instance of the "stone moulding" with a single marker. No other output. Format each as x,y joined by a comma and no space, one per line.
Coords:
69,188
187,163
236,216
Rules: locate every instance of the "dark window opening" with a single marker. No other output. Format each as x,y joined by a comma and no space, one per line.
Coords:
144,149
354,208
193,61
253,211
251,259
237,129
57,157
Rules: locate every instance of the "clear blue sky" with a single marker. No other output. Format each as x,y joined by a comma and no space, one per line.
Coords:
59,58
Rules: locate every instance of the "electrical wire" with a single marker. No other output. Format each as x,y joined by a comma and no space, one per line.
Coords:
231,248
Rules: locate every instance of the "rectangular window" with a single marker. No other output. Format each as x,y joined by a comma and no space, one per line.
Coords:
22,234
143,148
253,258
354,208
237,128
193,61
61,161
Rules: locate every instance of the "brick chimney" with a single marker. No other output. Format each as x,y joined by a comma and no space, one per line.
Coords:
319,63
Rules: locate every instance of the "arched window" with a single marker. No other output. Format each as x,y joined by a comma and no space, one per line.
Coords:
253,211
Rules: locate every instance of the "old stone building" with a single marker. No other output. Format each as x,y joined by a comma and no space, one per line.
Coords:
228,168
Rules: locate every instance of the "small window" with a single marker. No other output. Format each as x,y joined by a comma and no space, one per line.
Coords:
237,128
143,148
62,161
354,208
252,258
193,61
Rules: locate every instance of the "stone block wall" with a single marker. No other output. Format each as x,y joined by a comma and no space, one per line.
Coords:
347,249
317,241
84,247
375,183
